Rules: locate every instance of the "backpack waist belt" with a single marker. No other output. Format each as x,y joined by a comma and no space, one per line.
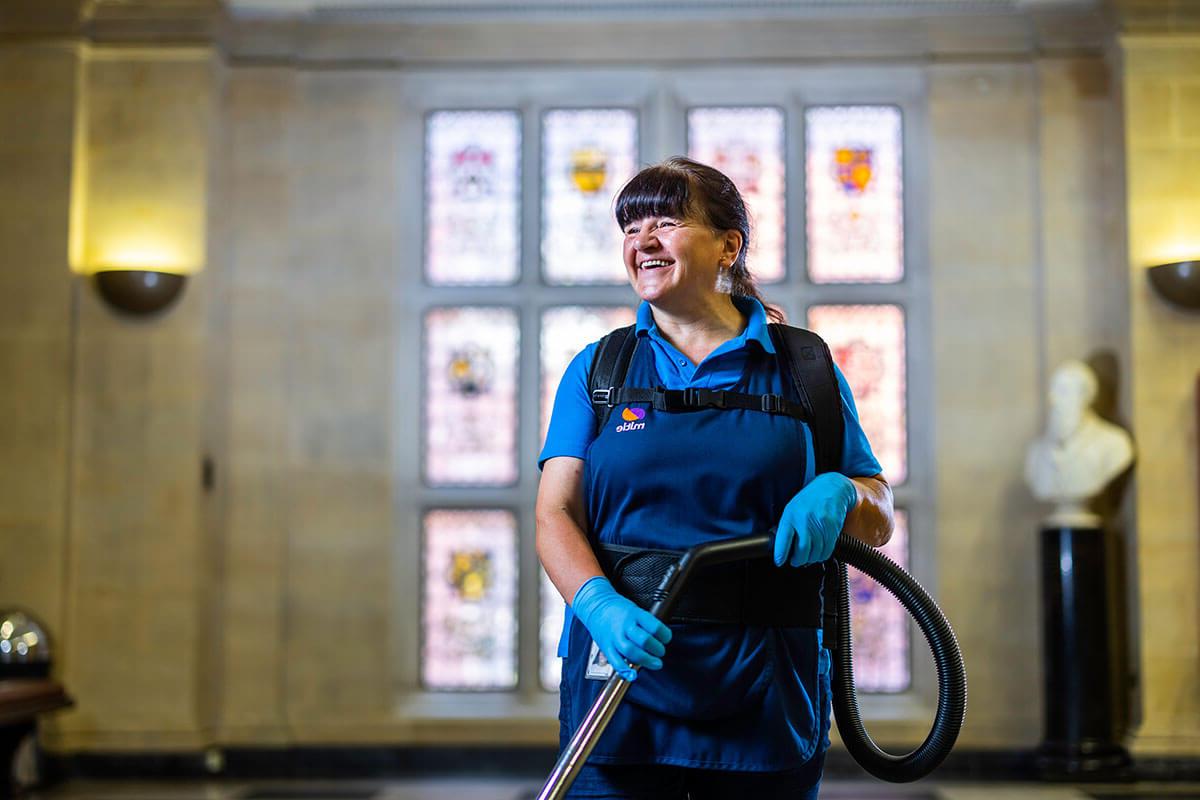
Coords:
751,593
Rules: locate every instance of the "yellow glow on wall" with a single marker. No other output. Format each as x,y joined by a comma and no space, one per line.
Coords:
154,250
157,251
1183,248
140,174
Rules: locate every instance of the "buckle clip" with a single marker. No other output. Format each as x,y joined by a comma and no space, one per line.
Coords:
772,403
603,396
670,399
698,397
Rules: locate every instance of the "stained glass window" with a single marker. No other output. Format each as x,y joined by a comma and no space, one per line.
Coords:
565,331
553,609
471,372
472,197
855,194
868,344
587,155
747,145
880,624
469,609
470,403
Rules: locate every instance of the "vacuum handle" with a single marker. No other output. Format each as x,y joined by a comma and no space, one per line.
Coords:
670,588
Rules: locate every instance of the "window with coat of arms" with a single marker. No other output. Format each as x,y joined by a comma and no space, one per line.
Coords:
522,268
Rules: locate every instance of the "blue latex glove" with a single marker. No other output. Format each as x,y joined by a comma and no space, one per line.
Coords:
624,632
813,519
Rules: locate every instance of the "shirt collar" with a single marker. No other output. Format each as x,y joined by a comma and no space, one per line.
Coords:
752,310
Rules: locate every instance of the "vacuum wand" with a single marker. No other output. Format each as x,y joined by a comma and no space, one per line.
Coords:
666,596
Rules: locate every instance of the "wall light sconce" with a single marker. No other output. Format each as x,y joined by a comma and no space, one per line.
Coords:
1178,283
139,292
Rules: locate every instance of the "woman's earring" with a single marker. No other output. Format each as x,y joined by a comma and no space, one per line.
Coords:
724,279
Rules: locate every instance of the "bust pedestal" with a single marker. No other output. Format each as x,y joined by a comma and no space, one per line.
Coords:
1084,679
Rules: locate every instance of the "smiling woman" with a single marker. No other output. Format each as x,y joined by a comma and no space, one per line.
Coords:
726,705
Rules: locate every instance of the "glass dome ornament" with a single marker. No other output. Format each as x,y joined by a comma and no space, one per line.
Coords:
24,645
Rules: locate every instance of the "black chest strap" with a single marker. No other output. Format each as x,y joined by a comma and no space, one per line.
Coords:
696,398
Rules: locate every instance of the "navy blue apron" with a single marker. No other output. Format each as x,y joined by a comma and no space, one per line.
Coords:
728,696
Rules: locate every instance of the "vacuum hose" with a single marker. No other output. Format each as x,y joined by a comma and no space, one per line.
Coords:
952,676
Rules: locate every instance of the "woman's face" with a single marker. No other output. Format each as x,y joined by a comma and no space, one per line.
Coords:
670,260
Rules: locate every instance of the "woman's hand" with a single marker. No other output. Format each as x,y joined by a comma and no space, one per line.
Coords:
812,520
624,632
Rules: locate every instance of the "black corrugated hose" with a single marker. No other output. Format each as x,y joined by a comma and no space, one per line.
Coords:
952,677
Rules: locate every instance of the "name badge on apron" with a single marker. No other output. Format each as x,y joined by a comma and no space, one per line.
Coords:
598,668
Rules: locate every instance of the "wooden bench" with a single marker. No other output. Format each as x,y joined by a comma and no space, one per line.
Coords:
21,700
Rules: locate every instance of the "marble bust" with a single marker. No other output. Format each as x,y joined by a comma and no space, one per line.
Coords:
1079,454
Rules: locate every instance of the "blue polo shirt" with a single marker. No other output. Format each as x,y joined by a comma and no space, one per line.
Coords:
572,423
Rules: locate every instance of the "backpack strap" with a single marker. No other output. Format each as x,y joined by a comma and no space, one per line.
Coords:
610,364
805,357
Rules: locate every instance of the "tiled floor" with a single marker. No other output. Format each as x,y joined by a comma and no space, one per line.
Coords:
525,789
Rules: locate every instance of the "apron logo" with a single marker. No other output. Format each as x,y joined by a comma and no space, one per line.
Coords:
633,420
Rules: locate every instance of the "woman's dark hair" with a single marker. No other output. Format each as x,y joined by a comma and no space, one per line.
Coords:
681,187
